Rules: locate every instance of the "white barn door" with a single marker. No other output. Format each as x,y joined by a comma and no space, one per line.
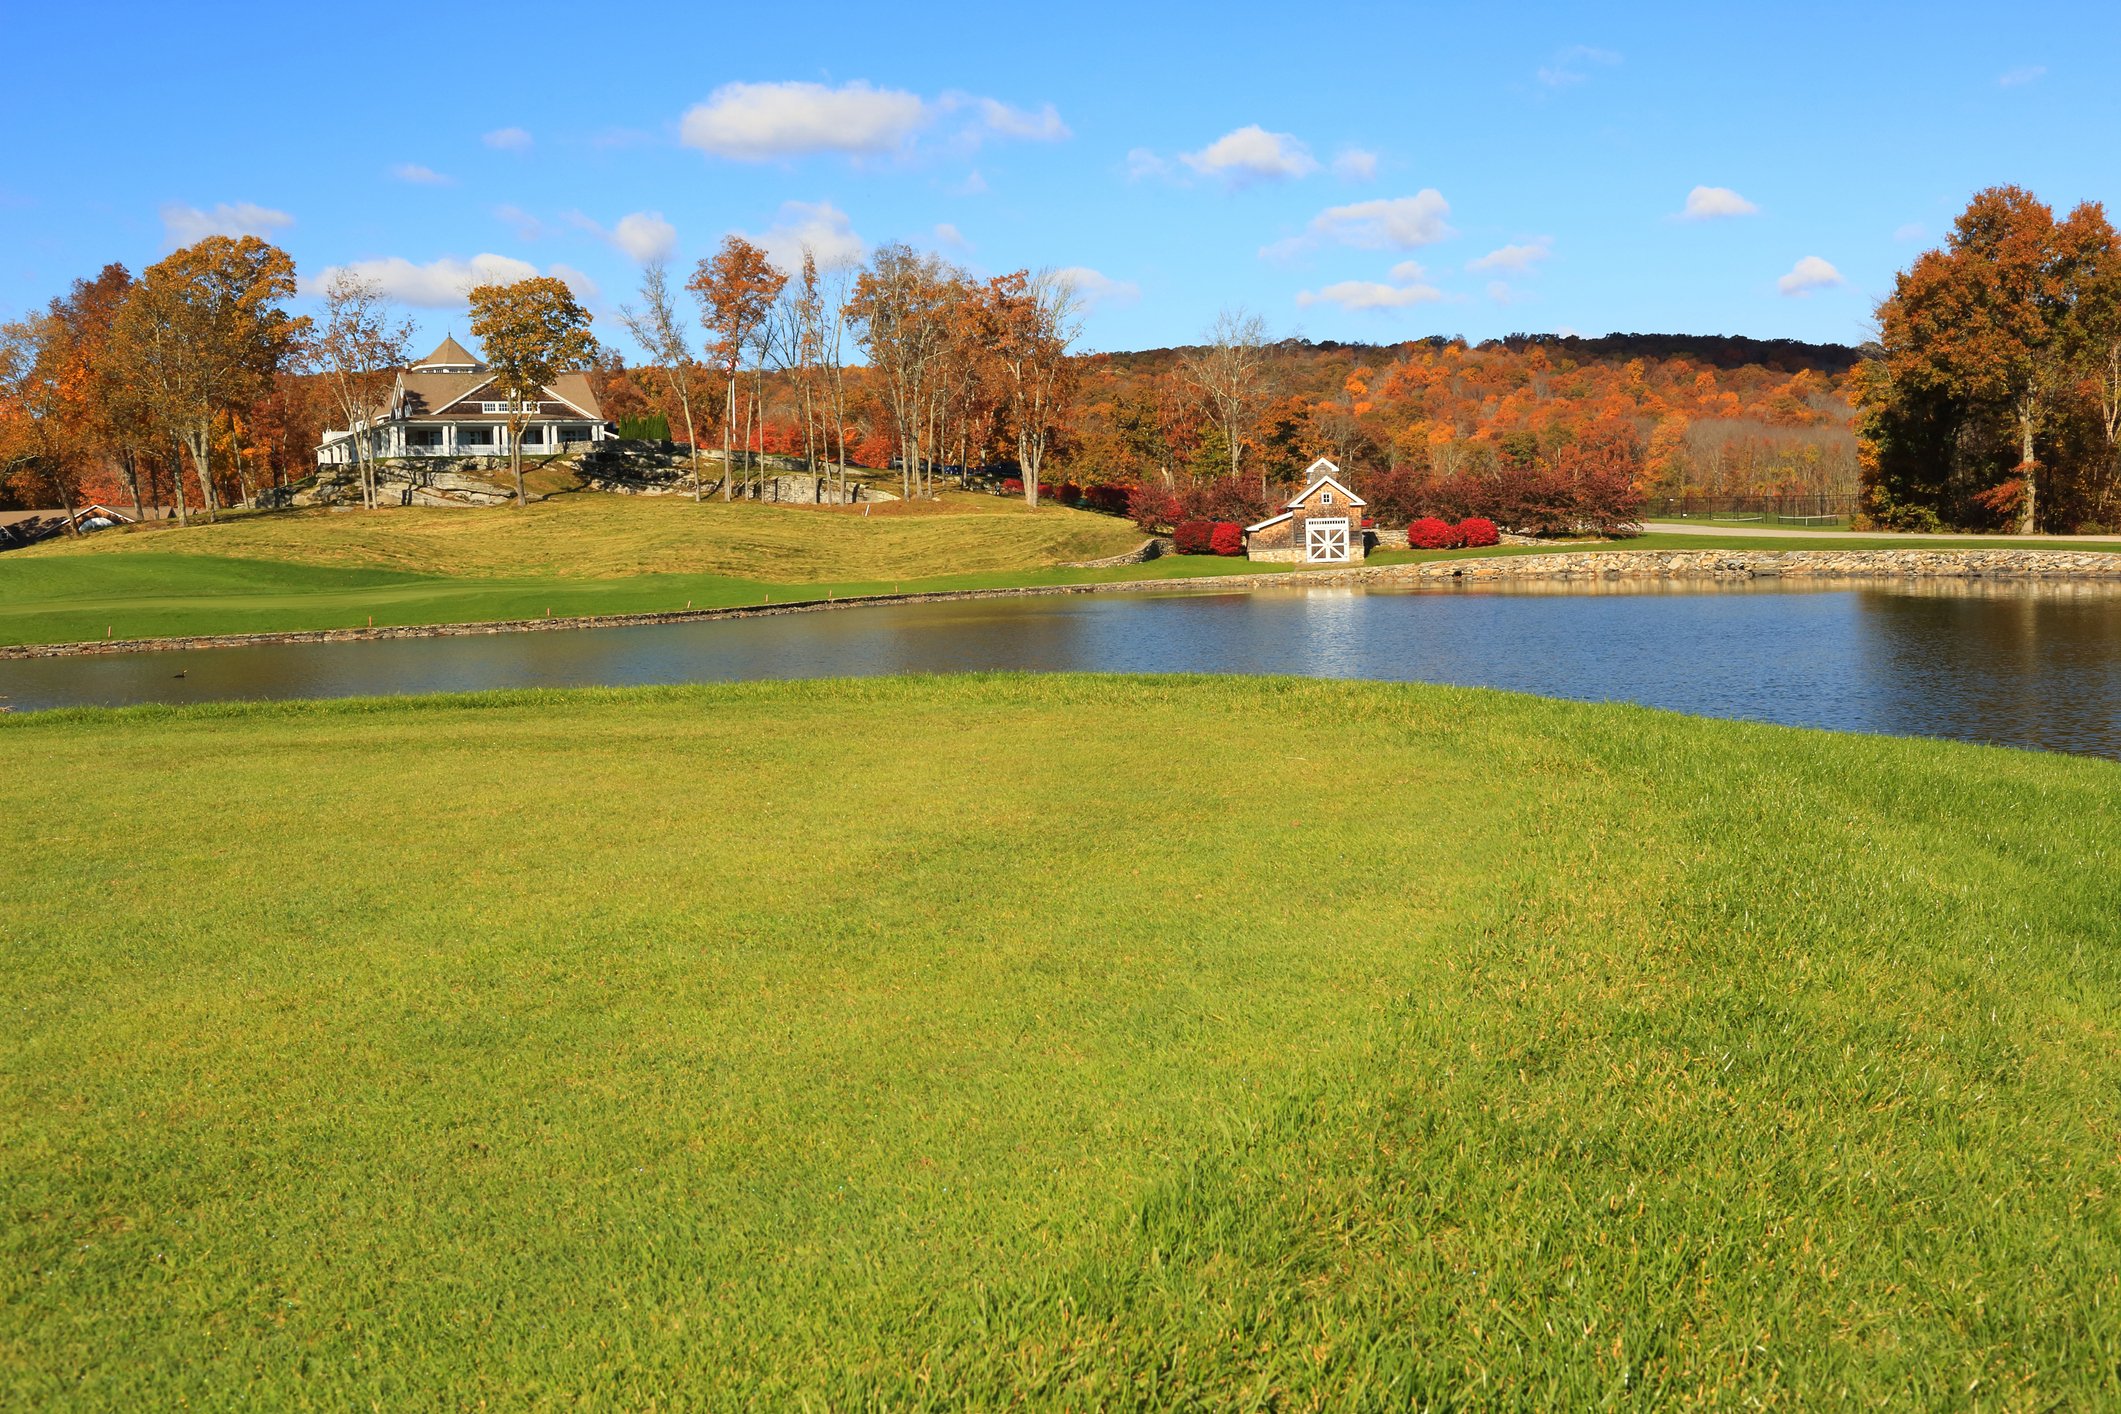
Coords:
1326,540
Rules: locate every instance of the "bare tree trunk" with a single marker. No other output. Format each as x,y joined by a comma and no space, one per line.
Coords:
728,417
130,462
2026,468
176,477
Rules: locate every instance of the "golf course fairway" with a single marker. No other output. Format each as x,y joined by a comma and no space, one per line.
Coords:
1062,1042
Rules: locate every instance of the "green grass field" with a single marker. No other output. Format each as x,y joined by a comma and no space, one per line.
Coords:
1065,1042
579,555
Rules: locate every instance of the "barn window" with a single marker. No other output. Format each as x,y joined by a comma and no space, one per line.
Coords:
1326,499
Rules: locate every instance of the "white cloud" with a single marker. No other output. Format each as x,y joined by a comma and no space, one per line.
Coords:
1043,126
1283,252
1400,223
1564,70
1097,289
765,122
182,225
1912,231
1708,203
645,236
2024,73
1406,272
823,227
774,122
507,139
527,226
1141,162
1500,292
973,185
1356,165
585,289
1563,331
1355,295
1250,154
947,234
1515,257
1807,275
421,176
442,284
438,285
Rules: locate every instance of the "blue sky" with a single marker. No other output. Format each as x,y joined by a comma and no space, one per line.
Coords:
1371,173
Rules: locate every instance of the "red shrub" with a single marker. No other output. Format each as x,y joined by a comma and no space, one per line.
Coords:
1110,499
1192,537
1228,538
1012,487
1429,533
1224,498
1152,508
1068,493
1474,531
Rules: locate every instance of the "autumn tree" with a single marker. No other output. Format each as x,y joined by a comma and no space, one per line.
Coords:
531,331
658,330
1034,320
2098,329
736,288
203,330
45,415
1991,321
356,353
1229,369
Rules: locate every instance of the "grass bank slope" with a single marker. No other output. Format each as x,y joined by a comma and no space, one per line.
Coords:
1157,1043
591,536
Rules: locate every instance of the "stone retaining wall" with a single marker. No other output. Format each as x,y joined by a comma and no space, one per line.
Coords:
1155,547
1808,565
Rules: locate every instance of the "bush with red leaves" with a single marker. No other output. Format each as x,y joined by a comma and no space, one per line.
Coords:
1224,498
1429,533
1068,493
1475,531
1193,537
1228,538
1012,487
1112,500
1153,508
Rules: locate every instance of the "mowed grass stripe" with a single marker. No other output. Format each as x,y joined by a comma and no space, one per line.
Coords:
1063,1042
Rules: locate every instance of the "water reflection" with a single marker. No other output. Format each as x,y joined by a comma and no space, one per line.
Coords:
2033,664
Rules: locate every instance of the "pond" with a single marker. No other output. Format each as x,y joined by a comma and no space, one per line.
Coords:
2032,665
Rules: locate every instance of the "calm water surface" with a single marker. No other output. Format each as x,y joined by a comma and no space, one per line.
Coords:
2024,665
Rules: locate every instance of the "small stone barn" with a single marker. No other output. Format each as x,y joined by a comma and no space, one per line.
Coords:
1322,526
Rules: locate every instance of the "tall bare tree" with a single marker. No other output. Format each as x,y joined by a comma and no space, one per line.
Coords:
899,307
356,353
657,329
531,331
1229,369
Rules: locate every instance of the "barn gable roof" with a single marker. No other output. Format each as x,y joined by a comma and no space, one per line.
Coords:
1324,471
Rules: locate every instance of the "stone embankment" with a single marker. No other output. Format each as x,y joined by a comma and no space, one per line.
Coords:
1763,564
1155,547
1809,565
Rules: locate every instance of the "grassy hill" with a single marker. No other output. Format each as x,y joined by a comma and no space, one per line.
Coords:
1155,1043
589,536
